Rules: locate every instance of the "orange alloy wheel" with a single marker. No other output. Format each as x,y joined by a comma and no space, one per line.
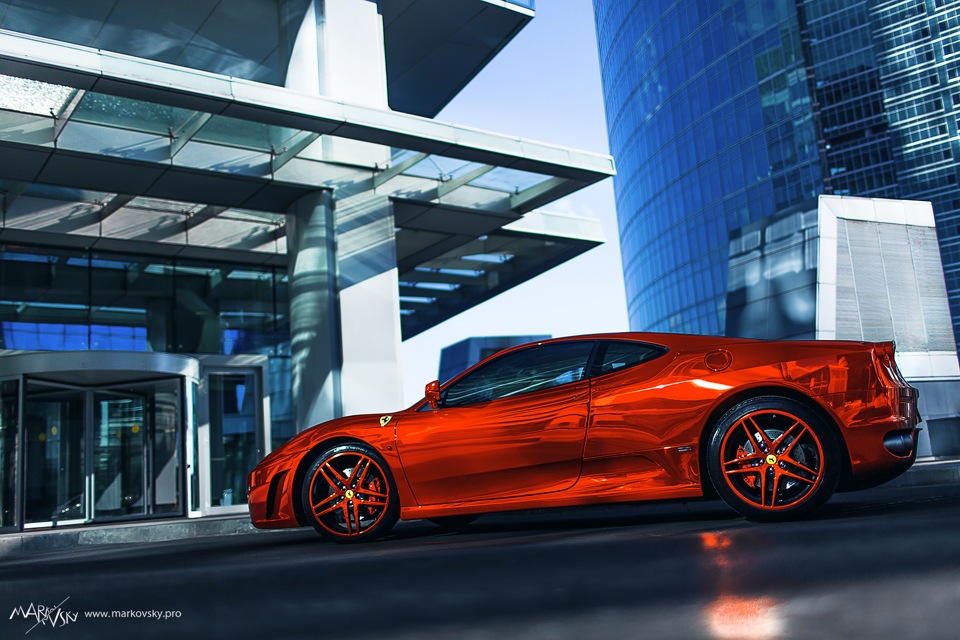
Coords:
773,459
349,495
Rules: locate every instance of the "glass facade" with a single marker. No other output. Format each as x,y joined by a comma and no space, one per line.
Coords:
857,146
233,435
710,121
919,43
54,299
246,39
723,112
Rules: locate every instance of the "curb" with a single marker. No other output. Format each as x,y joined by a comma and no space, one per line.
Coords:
42,541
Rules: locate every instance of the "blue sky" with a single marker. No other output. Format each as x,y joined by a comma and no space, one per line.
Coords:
545,85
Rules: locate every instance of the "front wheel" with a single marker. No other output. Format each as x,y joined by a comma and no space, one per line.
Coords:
349,494
773,459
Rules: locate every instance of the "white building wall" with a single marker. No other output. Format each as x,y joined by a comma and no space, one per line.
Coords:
880,278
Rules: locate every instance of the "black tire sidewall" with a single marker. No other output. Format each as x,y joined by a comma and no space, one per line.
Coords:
389,517
830,464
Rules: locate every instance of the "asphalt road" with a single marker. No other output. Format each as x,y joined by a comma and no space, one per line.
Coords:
883,563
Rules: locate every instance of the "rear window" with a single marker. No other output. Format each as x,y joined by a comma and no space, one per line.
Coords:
619,356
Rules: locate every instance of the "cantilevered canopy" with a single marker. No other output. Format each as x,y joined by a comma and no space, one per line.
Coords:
98,149
433,48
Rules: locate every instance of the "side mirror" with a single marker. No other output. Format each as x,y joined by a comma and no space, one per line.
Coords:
432,392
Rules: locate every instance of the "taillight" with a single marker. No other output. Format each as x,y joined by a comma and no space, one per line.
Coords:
887,365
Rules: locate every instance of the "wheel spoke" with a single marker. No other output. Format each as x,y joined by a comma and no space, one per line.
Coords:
776,481
755,431
371,493
355,471
753,457
346,516
731,472
363,475
795,442
794,476
751,438
786,434
330,497
802,467
763,487
333,477
763,434
356,515
330,509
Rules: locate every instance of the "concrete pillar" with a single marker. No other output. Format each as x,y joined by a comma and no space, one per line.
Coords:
371,376
314,321
299,41
337,51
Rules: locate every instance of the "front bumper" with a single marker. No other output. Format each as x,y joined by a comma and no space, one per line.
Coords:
269,494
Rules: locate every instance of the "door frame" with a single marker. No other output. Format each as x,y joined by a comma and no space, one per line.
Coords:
18,459
242,364
53,367
87,463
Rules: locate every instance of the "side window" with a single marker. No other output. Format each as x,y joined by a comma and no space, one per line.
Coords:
617,356
521,372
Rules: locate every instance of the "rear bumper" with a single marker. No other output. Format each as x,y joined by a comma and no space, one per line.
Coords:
885,448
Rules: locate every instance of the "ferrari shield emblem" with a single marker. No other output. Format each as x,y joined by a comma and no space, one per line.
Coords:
384,420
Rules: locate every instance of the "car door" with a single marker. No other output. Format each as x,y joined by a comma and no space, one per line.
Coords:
512,427
627,414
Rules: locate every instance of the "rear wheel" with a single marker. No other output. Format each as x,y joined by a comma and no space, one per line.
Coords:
773,459
349,494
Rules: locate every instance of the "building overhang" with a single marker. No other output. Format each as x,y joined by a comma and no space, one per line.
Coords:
124,154
435,47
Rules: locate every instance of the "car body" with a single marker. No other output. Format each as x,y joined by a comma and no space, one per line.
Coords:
773,427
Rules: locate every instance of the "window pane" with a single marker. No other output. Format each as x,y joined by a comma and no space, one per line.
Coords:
44,301
234,424
520,372
616,356
226,310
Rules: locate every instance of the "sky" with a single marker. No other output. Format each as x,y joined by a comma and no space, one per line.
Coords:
544,85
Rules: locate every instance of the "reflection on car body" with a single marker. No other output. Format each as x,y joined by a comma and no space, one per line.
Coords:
773,428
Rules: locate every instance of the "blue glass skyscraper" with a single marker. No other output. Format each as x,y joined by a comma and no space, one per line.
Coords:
722,113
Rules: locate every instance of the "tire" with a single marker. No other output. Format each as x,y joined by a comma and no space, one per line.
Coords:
772,459
349,494
455,523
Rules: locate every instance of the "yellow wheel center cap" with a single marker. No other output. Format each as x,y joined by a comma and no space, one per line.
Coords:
349,494
771,459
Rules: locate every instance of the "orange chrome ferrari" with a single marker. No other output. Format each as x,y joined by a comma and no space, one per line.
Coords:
774,428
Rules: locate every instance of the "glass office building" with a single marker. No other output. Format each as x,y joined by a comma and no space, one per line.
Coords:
723,113
218,220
